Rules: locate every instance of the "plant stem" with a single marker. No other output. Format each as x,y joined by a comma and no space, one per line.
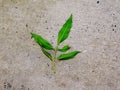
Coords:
54,59
54,66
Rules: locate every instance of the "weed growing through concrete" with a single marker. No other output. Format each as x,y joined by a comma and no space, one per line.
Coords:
62,35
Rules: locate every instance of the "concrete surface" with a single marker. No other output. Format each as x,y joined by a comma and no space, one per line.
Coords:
96,32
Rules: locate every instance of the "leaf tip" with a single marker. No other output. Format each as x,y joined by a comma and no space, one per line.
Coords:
78,51
31,34
71,15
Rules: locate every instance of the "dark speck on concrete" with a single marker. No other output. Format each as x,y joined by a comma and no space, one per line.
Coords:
7,85
22,87
113,29
26,25
39,57
113,14
16,7
85,30
98,2
46,21
114,25
33,44
47,28
48,65
3,28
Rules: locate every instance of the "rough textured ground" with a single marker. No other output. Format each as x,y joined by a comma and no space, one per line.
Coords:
96,32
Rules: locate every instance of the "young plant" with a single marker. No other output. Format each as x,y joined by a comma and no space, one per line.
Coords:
46,46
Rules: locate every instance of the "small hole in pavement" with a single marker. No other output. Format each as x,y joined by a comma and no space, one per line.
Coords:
98,2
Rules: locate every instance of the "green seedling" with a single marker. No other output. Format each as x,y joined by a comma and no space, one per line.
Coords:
62,35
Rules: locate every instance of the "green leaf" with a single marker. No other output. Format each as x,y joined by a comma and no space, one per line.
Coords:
65,30
47,53
65,48
68,55
42,42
